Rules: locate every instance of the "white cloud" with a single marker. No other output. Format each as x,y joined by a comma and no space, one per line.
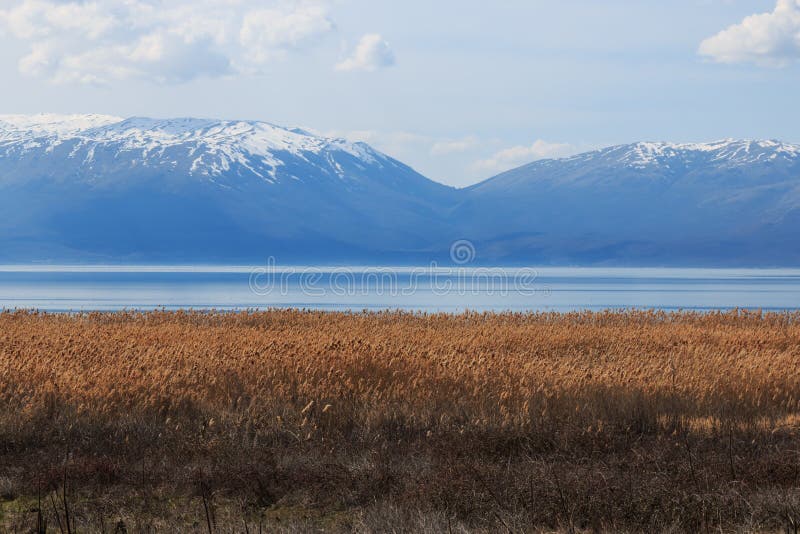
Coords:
767,38
40,18
454,146
371,54
267,33
394,143
98,41
518,155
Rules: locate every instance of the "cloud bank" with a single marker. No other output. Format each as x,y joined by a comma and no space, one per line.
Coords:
515,156
767,39
371,54
454,146
99,41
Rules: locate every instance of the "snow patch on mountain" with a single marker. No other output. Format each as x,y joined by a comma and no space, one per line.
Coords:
202,146
12,127
730,152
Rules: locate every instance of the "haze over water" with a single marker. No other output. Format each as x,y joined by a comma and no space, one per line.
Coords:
103,288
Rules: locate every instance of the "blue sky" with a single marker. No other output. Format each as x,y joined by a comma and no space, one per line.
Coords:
460,90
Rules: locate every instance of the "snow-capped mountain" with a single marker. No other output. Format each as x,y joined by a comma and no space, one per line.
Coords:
728,153
725,202
17,127
193,189
104,189
193,146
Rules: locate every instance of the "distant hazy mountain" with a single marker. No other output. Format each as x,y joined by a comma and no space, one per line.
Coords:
724,203
102,189
99,188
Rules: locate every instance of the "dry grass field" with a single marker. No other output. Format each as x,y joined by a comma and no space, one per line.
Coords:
303,421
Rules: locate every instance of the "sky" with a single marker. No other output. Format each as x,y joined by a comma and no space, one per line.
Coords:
458,89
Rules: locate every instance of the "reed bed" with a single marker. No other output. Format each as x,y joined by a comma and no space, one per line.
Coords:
302,421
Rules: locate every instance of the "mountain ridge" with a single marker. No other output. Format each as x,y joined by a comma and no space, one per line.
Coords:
198,189
139,189
82,126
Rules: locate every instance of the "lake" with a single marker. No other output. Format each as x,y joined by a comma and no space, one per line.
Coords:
429,289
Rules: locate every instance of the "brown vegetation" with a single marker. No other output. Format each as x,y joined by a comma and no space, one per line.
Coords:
371,422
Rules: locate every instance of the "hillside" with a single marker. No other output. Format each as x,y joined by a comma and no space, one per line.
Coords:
92,188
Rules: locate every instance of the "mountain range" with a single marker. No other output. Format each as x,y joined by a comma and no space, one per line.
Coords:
100,189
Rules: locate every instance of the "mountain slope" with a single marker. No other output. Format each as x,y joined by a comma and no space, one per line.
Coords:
94,188
727,203
202,190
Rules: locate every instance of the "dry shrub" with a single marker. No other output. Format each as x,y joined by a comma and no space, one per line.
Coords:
580,421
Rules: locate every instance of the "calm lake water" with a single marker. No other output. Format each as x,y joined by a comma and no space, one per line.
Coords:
421,289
